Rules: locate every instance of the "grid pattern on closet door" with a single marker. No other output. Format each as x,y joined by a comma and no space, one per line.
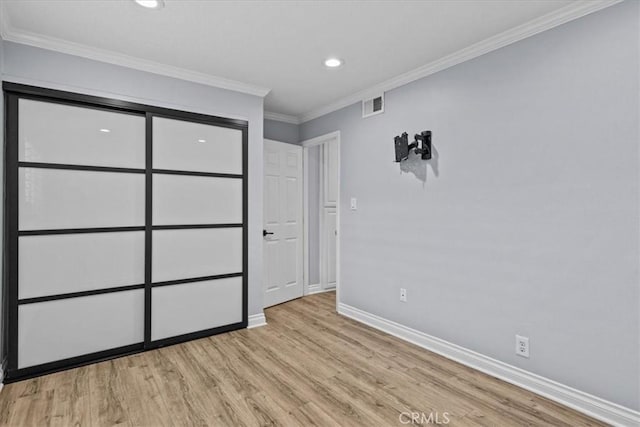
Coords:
198,216
80,231
125,228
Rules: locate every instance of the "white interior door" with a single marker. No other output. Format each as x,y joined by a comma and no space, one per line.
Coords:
331,153
283,250
328,213
330,247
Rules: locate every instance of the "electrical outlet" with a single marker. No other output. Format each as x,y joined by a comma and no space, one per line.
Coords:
354,204
403,295
522,346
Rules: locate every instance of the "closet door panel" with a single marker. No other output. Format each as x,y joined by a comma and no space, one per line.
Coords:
54,199
189,146
66,263
58,133
183,199
191,307
60,329
183,254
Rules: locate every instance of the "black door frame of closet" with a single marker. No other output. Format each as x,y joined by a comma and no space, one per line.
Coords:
12,93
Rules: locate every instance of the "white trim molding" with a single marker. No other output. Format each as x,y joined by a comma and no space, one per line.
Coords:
561,16
588,404
9,33
257,320
317,289
285,118
319,140
305,222
306,144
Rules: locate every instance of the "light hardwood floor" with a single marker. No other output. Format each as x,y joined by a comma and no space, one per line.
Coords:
309,366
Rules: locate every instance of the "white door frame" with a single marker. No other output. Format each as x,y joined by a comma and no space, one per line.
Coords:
305,170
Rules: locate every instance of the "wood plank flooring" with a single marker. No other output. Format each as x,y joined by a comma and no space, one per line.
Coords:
309,366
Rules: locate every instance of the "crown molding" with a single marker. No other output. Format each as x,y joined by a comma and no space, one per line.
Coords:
9,33
268,115
561,16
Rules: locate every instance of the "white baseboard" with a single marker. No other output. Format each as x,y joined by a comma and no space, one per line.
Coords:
257,320
593,406
317,289
313,289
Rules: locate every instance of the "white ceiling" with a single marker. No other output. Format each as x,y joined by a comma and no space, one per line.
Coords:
279,45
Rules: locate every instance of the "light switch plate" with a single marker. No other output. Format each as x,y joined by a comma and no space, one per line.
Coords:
354,204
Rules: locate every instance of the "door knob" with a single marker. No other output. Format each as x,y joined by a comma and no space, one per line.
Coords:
265,233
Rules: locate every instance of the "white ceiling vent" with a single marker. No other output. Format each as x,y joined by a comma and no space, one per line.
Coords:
373,106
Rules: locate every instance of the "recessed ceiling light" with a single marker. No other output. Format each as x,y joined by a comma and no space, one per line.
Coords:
202,140
332,62
151,4
105,130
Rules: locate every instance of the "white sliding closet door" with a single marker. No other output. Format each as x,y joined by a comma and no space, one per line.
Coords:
125,228
81,185
197,239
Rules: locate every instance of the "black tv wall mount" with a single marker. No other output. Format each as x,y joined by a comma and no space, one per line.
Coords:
402,145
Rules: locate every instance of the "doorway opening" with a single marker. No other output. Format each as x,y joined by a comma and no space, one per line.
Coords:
322,213
301,218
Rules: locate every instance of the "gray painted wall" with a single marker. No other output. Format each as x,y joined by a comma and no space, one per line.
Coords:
280,131
25,64
526,219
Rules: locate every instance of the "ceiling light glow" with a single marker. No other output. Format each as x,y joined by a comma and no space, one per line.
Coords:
151,4
202,140
332,62
105,130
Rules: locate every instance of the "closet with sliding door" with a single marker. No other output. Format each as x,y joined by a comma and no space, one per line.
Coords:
125,228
